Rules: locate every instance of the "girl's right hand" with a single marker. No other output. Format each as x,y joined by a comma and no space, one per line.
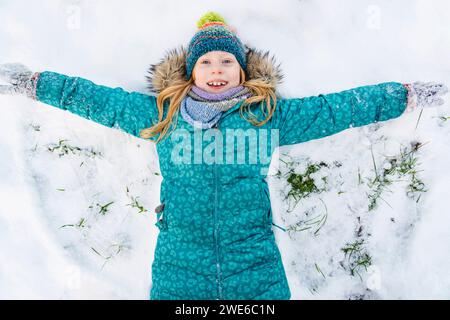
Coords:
20,78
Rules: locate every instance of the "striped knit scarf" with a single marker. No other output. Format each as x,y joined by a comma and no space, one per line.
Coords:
203,109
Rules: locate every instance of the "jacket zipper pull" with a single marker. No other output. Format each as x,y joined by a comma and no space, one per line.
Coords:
160,211
161,221
160,208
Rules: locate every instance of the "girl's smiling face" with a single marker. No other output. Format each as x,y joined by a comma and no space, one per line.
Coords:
216,72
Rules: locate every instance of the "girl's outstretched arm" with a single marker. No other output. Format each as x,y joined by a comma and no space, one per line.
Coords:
304,119
112,107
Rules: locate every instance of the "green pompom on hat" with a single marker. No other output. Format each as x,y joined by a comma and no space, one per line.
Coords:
210,17
213,35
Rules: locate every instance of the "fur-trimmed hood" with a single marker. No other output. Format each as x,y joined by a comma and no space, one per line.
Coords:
172,68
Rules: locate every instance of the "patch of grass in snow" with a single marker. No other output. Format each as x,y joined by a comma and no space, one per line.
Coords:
134,203
112,251
62,148
304,179
100,245
357,258
103,208
79,225
316,222
303,183
402,165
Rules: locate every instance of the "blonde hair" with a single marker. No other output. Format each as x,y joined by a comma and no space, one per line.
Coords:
261,92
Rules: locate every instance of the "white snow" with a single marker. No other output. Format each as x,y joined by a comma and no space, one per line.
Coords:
324,46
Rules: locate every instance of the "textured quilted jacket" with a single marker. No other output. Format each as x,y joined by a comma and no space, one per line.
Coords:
215,220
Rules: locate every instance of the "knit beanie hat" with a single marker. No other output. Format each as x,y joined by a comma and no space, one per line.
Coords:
213,35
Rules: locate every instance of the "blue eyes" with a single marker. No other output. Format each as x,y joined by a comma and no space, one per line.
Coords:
226,60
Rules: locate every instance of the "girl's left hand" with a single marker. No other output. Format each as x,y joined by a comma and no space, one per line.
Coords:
425,94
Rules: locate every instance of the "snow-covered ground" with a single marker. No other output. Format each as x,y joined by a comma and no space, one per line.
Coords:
73,193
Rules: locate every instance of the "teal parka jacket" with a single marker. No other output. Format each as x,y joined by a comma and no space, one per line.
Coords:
215,236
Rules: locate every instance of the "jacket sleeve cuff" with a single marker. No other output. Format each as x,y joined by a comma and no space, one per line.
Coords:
34,80
411,98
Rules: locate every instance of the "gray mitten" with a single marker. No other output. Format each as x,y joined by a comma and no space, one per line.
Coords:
425,94
21,79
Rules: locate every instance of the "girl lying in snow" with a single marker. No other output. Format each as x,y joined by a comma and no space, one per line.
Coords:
215,218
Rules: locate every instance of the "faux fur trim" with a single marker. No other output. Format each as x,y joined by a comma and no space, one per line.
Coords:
172,69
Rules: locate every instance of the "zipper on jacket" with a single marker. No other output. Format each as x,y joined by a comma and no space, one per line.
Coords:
216,232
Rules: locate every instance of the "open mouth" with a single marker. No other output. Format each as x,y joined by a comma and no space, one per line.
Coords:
217,84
